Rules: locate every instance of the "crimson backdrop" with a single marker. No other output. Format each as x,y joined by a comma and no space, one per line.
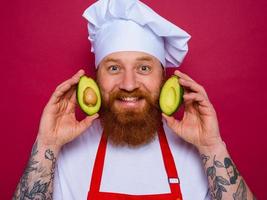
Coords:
45,42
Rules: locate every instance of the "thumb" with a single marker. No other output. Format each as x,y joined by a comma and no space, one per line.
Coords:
173,123
85,123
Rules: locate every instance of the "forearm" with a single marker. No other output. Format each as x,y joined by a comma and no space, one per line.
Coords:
225,182
37,179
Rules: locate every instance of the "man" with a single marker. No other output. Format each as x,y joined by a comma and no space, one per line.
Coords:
129,153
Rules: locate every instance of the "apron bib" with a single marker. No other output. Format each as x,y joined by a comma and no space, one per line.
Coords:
174,183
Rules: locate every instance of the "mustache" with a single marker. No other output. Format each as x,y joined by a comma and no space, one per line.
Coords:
137,93
123,93
108,106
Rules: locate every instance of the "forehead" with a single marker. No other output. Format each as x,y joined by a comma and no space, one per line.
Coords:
126,57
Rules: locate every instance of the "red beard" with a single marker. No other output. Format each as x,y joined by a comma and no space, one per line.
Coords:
132,127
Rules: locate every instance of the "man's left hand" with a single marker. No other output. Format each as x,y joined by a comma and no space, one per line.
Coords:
199,125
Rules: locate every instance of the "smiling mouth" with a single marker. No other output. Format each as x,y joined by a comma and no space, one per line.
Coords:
130,102
129,99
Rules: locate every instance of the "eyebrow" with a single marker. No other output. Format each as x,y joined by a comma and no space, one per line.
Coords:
111,60
143,58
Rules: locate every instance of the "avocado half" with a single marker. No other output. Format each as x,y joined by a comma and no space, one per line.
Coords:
171,96
88,95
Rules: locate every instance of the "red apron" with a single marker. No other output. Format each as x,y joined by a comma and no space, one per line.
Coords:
94,191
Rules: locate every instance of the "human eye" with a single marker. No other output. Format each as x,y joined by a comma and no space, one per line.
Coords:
113,69
144,69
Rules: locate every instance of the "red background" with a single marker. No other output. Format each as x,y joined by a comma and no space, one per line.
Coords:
45,42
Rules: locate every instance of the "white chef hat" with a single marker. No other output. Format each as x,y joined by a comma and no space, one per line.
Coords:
130,25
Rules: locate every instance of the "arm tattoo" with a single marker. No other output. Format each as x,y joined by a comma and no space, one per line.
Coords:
204,158
241,192
35,181
218,182
231,170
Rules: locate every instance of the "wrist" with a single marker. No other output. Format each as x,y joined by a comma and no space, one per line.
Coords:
212,148
48,144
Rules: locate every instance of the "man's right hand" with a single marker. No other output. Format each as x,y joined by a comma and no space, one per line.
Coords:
58,124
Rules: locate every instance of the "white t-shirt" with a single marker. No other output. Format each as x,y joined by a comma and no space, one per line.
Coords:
135,171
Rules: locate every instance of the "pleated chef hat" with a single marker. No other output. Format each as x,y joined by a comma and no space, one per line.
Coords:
130,25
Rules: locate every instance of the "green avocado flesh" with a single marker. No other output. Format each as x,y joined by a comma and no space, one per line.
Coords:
88,95
171,96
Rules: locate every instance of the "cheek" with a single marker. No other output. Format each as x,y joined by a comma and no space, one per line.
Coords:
106,87
153,86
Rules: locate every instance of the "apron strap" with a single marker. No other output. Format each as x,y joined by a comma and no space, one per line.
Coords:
169,163
168,160
99,165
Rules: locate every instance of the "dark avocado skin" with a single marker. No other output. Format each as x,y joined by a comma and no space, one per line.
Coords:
85,82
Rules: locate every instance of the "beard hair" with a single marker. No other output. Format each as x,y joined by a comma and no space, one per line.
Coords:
132,127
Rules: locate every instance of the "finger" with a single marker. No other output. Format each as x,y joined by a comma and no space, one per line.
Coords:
196,97
85,123
193,86
73,96
182,75
172,123
65,86
70,96
188,80
195,101
73,80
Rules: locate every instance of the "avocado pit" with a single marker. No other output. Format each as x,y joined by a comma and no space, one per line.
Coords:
89,97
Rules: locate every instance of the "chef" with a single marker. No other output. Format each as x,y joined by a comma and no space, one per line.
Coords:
130,150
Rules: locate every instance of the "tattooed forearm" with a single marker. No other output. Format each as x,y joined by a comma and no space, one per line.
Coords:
225,182
37,180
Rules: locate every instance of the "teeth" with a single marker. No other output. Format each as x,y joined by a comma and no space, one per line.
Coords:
130,99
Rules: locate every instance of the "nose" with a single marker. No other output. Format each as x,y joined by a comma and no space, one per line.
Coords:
128,81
